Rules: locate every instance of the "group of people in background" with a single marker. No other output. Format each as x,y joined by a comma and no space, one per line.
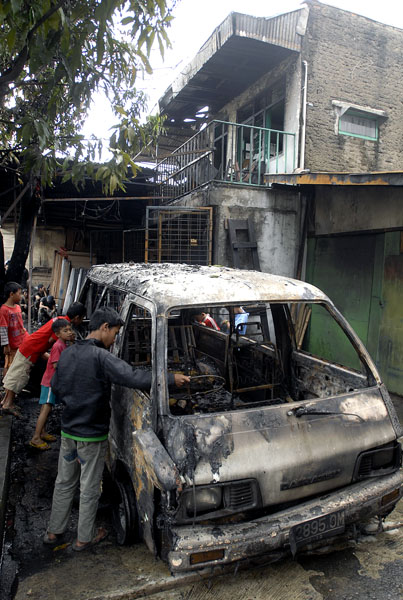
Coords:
43,305
22,351
240,321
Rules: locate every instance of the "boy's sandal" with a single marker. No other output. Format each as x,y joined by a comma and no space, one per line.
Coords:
49,542
101,535
48,437
42,446
13,410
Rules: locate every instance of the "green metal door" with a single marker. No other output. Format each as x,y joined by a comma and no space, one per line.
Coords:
391,332
343,268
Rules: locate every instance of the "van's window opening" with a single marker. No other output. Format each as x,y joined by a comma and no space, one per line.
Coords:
259,364
277,353
136,348
91,296
112,298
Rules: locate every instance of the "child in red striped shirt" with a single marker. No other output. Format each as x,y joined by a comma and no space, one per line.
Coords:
12,330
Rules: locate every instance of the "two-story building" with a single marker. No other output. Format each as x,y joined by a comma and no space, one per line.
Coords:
293,124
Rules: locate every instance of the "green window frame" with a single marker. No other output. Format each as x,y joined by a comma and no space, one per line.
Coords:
353,124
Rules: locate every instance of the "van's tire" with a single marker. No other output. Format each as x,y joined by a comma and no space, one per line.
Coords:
124,514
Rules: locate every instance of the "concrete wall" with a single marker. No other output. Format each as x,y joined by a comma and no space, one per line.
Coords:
276,216
290,70
345,209
47,240
352,59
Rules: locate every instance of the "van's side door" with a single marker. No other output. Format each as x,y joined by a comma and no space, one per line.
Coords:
134,410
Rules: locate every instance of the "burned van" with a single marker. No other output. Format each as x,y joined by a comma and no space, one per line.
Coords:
285,439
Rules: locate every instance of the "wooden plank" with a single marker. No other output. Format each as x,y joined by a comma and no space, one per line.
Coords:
304,326
235,225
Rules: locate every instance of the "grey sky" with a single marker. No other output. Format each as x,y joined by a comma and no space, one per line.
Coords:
194,22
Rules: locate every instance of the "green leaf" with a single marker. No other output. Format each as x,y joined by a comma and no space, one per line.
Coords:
150,41
148,67
62,17
133,76
100,47
127,20
161,46
65,40
100,173
166,38
161,6
16,6
121,110
11,39
53,21
4,10
142,38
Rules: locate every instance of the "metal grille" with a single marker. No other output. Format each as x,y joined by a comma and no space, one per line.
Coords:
178,235
106,246
134,245
241,495
365,466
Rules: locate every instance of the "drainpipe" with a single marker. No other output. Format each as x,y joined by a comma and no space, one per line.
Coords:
303,128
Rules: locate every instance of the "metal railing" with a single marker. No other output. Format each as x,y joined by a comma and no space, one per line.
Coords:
228,152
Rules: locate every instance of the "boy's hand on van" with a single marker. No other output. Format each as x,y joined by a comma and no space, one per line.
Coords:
181,379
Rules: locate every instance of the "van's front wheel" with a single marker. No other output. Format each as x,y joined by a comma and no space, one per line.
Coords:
124,514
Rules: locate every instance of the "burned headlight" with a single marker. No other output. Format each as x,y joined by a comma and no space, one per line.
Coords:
378,461
202,500
218,500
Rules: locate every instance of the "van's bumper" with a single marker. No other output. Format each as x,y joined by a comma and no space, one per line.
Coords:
271,534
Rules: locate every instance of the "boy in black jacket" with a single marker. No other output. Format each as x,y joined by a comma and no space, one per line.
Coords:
82,382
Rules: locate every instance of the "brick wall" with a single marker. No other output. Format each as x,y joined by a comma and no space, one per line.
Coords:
353,59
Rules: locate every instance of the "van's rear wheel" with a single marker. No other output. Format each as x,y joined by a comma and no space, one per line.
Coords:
124,514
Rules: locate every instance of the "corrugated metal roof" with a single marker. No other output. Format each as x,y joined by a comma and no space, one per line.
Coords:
279,31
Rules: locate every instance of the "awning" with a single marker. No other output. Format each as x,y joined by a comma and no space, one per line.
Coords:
238,53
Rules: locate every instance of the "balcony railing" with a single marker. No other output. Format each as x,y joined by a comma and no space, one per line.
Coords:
228,152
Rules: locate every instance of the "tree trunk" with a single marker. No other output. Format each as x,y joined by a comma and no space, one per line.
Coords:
29,208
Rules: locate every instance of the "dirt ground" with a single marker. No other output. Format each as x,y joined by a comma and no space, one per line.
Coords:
371,569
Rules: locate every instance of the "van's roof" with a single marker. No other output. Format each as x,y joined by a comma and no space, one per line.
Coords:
169,284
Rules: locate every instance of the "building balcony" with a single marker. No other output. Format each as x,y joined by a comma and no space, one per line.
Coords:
231,153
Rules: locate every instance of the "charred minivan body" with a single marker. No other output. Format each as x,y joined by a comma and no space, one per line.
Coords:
285,438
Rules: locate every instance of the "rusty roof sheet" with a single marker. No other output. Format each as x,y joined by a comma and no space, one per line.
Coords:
391,178
169,284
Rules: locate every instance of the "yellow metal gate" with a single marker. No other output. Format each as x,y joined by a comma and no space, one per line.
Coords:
178,234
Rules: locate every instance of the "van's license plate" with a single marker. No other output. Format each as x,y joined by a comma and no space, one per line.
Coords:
317,529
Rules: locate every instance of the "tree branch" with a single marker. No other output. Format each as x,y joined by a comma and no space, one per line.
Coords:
39,83
12,73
